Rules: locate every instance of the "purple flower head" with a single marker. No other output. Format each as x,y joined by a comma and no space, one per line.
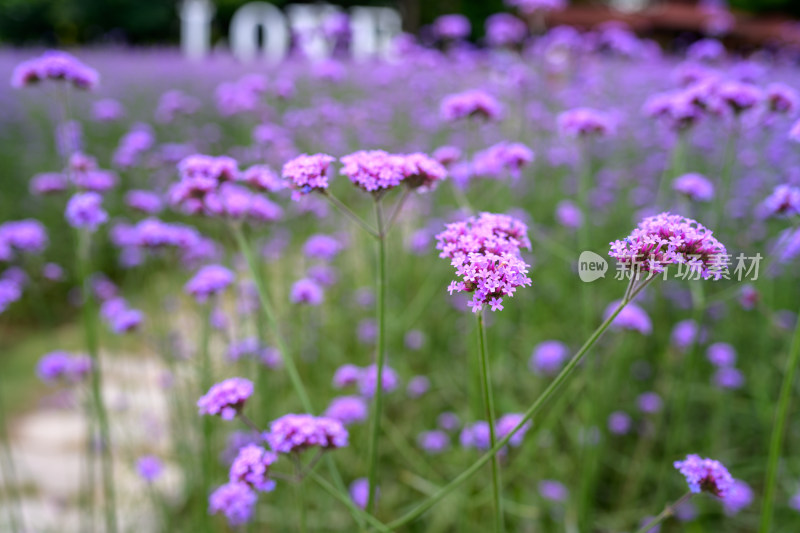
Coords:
53,272
10,292
417,386
485,253
306,291
369,380
781,98
323,275
453,27
728,378
324,247
548,357
695,186
48,183
145,201
748,297
568,214
200,176
582,122
679,110
631,317
126,320
373,170
85,211
740,96
236,501
619,423
348,410
88,176
468,104
367,331
149,467
794,501
347,375
24,235
794,132
295,433
173,103
63,366
721,354
447,155
684,334
553,491
359,492
226,399
107,110
251,467
209,281
504,29
421,171
476,436
739,496
649,402
500,158
666,239
133,144
506,423
706,50
307,173
784,201
414,339
433,442
448,421
57,66
262,178
706,475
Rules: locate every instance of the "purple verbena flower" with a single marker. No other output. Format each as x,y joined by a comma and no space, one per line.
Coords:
306,291
209,281
706,475
226,399
307,173
433,442
348,410
548,357
149,467
552,490
295,433
236,501
695,186
251,467
57,66
85,211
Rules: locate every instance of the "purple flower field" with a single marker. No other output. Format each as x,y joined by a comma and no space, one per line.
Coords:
545,284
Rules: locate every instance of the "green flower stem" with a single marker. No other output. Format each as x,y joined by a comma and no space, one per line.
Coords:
89,309
204,382
377,405
348,502
668,511
534,409
488,404
288,362
778,428
728,161
338,204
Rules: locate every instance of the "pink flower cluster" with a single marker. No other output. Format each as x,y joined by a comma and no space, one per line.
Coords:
307,173
468,104
226,399
207,186
667,239
55,65
485,251
295,433
583,121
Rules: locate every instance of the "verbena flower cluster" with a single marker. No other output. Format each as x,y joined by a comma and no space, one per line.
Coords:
226,399
56,66
295,433
665,239
706,475
485,252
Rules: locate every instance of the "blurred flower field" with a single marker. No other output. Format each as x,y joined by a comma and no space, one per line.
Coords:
340,296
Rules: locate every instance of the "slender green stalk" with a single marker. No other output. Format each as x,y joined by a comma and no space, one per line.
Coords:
488,404
348,502
350,214
778,427
675,169
726,176
299,496
89,490
288,362
266,305
377,405
397,208
204,382
89,308
668,511
534,409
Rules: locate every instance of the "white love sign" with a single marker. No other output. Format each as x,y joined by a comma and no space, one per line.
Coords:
261,31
